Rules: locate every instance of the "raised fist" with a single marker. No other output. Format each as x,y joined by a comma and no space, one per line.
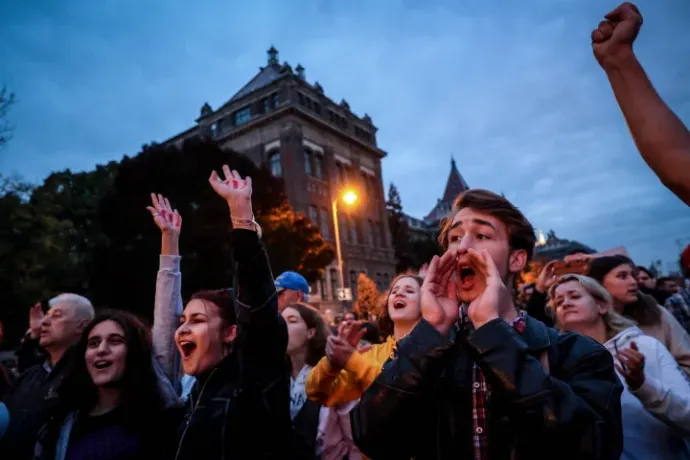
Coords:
612,40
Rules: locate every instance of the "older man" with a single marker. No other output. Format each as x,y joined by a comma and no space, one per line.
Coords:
34,390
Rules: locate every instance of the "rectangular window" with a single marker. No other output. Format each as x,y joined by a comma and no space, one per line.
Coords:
314,215
307,161
317,108
300,98
335,283
338,173
353,230
325,224
343,228
381,235
318,166
265,105
370,233
243,115
322,288
275,100
353,283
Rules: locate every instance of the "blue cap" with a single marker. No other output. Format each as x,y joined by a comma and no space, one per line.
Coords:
292,280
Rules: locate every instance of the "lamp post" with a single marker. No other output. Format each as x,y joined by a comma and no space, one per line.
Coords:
349,197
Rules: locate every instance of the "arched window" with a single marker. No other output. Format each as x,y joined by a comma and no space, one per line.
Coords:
274,163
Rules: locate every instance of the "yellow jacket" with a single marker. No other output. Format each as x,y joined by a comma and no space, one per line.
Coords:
329,387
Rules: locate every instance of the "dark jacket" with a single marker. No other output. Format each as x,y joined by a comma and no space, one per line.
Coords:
32,395
420,406
241,408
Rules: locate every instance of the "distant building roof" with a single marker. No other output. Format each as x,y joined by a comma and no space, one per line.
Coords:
554,248
265,77
454,187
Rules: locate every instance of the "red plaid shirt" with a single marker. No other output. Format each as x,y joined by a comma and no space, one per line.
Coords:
480,395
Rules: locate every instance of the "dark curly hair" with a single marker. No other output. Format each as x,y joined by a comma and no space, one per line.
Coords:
141,393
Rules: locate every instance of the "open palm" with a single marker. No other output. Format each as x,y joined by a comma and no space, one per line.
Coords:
235,190
164,216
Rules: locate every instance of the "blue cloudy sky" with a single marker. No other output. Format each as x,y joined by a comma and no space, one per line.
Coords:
509,88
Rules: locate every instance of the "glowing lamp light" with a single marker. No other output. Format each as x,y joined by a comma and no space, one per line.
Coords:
349,197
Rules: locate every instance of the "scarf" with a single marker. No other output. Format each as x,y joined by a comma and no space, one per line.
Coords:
298,392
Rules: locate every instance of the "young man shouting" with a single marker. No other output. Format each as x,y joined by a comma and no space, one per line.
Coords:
478,380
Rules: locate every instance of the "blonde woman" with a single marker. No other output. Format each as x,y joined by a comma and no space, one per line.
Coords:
656,396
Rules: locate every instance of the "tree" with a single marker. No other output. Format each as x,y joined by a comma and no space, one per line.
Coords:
294,243
400,231
128,261
367,296
90,233
6,102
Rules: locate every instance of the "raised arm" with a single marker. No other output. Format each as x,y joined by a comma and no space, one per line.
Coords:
168,301
263,332
661,137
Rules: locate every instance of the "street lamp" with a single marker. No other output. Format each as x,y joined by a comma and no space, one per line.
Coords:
349,197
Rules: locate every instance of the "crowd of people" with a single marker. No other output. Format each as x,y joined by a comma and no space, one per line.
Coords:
594,365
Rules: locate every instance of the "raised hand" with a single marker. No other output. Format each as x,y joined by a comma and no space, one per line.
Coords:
352,332
439,297
164,216
631,366
485,307
612,40
338,352
169,221
547,277
237,192
35,318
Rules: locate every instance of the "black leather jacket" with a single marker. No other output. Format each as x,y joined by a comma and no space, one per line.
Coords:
241,408
420,406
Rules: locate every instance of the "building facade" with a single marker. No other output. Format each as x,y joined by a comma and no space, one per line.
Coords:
320,148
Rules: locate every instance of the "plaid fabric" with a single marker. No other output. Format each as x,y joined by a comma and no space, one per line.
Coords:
481,392
679,306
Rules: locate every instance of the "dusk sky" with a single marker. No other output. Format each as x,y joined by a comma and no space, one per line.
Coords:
510,89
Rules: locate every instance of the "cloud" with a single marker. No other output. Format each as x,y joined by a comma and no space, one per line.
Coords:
511,91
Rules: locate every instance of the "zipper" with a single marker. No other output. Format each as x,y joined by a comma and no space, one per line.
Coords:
194,407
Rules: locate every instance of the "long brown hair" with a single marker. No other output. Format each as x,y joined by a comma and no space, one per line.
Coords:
385,322
316,347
